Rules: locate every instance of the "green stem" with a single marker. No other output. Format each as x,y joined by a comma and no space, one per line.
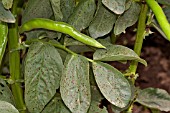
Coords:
160,16
14,61
113,38
139,38
138,43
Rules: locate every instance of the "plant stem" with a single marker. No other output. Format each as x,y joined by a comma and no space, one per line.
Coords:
139,39
138,44
14,61
113,38
160,17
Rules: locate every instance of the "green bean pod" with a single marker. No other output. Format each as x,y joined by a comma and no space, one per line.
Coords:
160,16
3,39
60,27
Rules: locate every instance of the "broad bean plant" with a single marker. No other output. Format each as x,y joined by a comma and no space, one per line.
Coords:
44,66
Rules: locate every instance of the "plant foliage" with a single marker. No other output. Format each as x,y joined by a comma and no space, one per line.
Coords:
58,77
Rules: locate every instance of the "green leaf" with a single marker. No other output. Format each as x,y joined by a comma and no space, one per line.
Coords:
6,107
113,85
56,105
71,42
75,85
6,15
92,79
127,19
38,9
43,68
76,46
56,9
102,23
7,3
96,100
96,94
164,2
117,6
154,98
80,48
117,53
67,7
5,93
82,14
116,109
128,4
62,53
106,42
167,12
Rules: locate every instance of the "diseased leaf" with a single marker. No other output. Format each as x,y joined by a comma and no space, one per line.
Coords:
167,12
102,23
7,3
5,93
119,110
113,85
96,101
117,53
128,4
76,46
106,42
127,19
71,42
6,15
38,9
154,98
117,6
116,109
43,68
164,2
82,14
96,94
56,105
80,48
99,3
92,79
6,107
56,9
62,53
75,85
67,7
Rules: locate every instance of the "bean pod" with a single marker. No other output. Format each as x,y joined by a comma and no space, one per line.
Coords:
3,39
160,16
60,27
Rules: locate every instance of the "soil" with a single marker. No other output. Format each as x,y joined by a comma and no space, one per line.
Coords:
156,51
157,73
